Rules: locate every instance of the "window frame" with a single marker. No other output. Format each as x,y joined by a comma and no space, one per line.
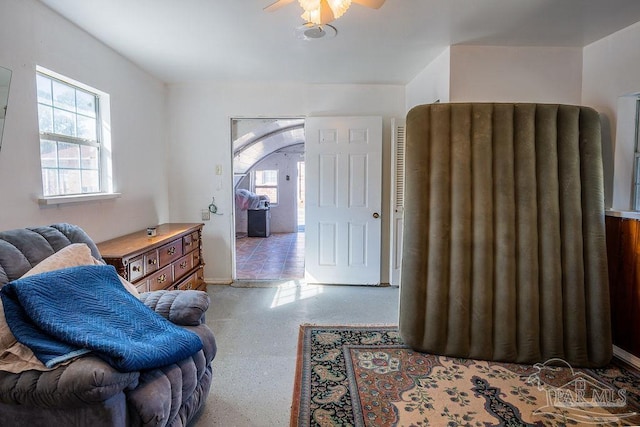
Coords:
275,186
102,143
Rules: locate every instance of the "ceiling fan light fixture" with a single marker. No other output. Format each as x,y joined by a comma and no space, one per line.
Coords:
339,7
321,12
309,5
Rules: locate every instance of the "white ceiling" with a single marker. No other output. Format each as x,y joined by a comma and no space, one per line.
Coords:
187,40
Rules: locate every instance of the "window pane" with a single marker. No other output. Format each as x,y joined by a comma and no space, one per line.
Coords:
64,123
271,177
64,96
90,181
48,154
50,182
89,157
86,103
45,118
86,128
270,192
267,177
70,181
44,90
69,155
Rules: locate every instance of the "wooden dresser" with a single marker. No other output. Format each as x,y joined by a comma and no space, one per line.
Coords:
172,259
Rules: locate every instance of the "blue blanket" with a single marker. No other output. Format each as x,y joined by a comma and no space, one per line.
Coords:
64,313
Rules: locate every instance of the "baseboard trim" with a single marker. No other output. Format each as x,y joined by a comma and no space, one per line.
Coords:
626,357
218,281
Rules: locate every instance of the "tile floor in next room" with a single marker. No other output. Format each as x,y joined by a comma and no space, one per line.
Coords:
256,330
279,256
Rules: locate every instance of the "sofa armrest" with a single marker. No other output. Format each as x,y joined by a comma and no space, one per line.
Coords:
85,380
186,308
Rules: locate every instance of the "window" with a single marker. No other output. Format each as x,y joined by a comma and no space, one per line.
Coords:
73,155
265,183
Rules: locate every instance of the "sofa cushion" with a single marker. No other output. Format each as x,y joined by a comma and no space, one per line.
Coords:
186,308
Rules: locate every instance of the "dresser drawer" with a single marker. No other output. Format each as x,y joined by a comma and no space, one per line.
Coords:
193,281
196,258
161,279
170,252
190,282
182,267
191,242
142,286
135,269
151,262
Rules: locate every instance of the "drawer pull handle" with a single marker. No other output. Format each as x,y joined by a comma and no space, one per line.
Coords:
153,261
162,278
136,268
171,250
183,264
187,243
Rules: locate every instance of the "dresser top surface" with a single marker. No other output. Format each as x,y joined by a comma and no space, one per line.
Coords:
139,241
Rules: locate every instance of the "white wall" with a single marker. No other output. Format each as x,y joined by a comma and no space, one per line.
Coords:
199,131
30,35
612,70
432,83
516,74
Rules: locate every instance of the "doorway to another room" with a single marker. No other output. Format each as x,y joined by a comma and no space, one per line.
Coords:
268,165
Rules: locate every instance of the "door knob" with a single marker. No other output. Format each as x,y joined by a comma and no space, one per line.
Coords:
376,215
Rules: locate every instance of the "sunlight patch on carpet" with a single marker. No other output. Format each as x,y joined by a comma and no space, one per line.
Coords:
290,294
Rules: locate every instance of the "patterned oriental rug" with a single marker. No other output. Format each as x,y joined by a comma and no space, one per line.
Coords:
366,376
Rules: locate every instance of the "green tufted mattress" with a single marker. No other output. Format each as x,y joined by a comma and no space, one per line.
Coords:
504,254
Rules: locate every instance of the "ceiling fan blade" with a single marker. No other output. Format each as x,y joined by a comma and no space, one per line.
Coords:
374,4
277,5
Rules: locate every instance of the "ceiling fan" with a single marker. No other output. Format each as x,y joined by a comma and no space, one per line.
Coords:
321,12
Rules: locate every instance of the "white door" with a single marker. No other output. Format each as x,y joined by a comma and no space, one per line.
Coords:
343,157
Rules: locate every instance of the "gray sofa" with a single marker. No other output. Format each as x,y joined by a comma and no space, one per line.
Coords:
88,391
